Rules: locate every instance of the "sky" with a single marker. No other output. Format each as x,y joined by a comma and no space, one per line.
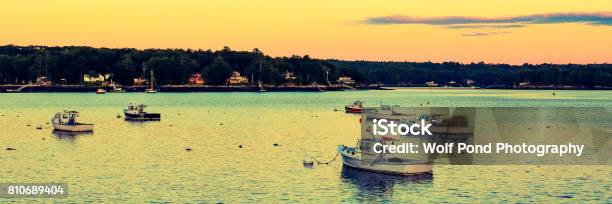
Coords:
514,32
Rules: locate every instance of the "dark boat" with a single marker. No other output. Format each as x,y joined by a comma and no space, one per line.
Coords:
356,107
137,112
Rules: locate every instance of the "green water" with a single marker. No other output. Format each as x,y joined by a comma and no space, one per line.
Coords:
123,162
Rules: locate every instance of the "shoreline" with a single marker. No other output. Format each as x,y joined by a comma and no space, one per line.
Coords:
178,88
190,88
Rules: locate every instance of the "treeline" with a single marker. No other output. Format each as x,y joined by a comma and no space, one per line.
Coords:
23,64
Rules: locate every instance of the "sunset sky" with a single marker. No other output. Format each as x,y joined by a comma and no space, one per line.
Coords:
400,30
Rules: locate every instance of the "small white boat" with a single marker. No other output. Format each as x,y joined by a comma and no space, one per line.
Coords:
117,89
353,157
261,88
67,121
101,91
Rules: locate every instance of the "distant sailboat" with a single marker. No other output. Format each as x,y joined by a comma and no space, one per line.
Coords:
153,88
259,83
117,89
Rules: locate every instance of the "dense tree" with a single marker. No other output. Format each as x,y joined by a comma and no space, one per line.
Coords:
217,72
23,64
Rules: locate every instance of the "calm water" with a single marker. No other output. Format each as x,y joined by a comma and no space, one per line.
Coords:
136,162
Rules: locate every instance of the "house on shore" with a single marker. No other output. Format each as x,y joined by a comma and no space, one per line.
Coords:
196,79
346,80
96,79
43,81
140,81
237,79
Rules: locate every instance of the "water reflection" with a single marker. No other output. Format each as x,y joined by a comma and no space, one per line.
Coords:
375,186
140,122
69,136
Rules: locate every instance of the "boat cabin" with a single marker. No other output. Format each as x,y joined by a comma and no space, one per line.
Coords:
66,117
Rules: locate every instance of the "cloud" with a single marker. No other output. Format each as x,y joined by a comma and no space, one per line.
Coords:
599,18
478,34
486,26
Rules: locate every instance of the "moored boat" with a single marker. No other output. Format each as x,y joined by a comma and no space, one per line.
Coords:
153,88
354,157
137,112
67,121
356,107
117,89
101,91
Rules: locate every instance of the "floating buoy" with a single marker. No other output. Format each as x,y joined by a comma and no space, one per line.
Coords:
10,149
308,163
335,109
220,123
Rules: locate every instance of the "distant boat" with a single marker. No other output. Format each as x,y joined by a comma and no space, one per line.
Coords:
101,91
261,88
67,121
259,83
117,89
137,112
153,88
356,107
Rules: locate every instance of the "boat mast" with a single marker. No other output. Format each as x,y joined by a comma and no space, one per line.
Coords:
152,80
259,77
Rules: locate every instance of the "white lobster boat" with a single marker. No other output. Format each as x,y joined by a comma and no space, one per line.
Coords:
66,121
354,157
364,157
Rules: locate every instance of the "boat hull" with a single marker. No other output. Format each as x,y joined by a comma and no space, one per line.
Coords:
354,161
143,116
73,128
353,109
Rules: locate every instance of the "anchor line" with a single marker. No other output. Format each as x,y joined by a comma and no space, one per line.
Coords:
318,162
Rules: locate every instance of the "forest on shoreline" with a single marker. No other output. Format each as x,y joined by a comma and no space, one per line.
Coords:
68,64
